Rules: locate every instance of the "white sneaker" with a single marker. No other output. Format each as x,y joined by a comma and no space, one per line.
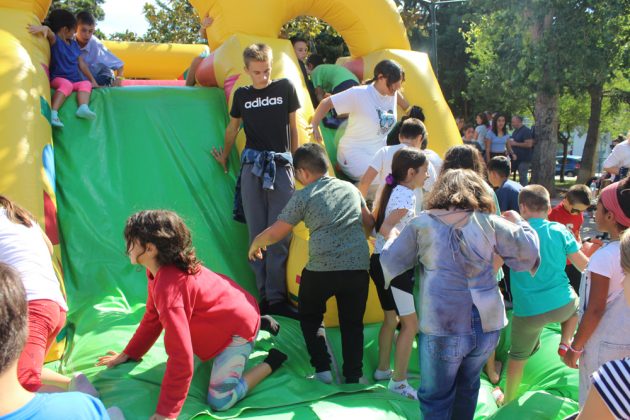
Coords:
324,377
382,375
56,122
115,413
403,388
81,383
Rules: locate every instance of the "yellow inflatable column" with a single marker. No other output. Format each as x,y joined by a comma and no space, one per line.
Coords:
26,158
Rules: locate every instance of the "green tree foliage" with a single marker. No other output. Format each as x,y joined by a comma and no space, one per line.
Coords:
172,21
75,6
546,47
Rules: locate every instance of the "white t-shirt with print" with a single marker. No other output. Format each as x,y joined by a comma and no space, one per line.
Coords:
402,198
371,117
24,249
605,262
382,164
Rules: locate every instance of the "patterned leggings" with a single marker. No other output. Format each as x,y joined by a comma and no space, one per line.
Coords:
227,386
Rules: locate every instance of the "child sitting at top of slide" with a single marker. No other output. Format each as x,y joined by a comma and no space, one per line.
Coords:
338,258
106,68
66,65
411,134
396,208
201,312
547,296
16,403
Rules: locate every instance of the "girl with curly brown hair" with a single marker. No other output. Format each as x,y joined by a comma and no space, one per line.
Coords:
202,313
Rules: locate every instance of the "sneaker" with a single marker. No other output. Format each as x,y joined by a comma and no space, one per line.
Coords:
85,112
56,122
403,388
382,375
81,383
324,377
115,413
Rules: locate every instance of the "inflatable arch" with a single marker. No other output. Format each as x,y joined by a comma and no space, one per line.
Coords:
372,29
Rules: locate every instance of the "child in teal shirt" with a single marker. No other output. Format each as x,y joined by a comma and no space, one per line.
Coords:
546,297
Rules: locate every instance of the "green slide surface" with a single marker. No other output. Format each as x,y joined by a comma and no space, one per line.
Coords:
150,148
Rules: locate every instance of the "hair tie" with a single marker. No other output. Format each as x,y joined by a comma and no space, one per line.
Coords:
389,180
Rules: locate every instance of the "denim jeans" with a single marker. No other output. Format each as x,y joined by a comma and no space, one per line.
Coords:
450,367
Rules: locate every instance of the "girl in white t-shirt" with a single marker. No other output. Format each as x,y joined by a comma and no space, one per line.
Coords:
372,113
396,208
26,248
604,330
412,133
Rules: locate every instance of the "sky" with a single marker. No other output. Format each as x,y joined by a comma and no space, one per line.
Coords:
121,15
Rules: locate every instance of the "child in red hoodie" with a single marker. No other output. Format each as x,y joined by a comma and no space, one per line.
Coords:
202,313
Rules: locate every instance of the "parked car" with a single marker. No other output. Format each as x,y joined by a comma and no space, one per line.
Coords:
572,166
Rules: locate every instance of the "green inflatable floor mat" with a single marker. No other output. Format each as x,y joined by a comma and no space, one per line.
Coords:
150,148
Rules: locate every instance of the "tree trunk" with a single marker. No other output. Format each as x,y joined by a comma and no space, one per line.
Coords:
587,166
565,151
544,159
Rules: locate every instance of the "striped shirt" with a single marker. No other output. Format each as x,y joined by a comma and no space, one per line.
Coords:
612,380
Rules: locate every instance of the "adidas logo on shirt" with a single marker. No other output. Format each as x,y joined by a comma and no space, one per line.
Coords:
257,103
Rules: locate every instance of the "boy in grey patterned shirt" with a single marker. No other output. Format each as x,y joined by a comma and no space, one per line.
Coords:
337,217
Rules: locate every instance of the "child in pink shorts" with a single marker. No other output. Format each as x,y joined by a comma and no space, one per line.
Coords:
66,65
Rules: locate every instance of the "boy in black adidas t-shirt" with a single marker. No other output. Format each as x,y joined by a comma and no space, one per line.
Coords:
267,111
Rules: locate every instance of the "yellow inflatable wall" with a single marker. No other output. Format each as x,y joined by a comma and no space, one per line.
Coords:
372,29
26,164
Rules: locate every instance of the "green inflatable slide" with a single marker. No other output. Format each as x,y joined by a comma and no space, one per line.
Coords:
150,148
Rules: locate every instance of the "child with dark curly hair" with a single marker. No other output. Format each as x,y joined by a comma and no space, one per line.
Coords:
201,312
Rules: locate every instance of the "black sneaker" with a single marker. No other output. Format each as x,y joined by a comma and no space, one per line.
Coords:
263,306
282,309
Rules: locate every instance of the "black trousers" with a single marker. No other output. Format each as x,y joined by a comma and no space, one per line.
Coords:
350,288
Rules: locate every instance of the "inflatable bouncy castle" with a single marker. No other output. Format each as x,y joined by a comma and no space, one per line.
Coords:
150,148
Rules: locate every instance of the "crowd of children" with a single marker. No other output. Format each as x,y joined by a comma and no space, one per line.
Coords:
449,223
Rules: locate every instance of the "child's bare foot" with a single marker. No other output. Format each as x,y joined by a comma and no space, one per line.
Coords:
498,396
493,372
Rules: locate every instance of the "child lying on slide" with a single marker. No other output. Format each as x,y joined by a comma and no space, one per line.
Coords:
202,313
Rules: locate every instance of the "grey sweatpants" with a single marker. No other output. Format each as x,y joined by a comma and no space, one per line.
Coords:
261,208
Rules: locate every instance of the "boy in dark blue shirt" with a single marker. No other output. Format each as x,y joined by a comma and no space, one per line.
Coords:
499,170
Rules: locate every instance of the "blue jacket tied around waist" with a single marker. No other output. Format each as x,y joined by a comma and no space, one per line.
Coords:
264,167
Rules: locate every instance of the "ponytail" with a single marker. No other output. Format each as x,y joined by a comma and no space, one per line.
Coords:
403,160
15,213
390,70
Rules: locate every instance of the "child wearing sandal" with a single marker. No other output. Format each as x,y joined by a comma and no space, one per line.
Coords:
546,297
603,333
201,312
396,208
66,65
